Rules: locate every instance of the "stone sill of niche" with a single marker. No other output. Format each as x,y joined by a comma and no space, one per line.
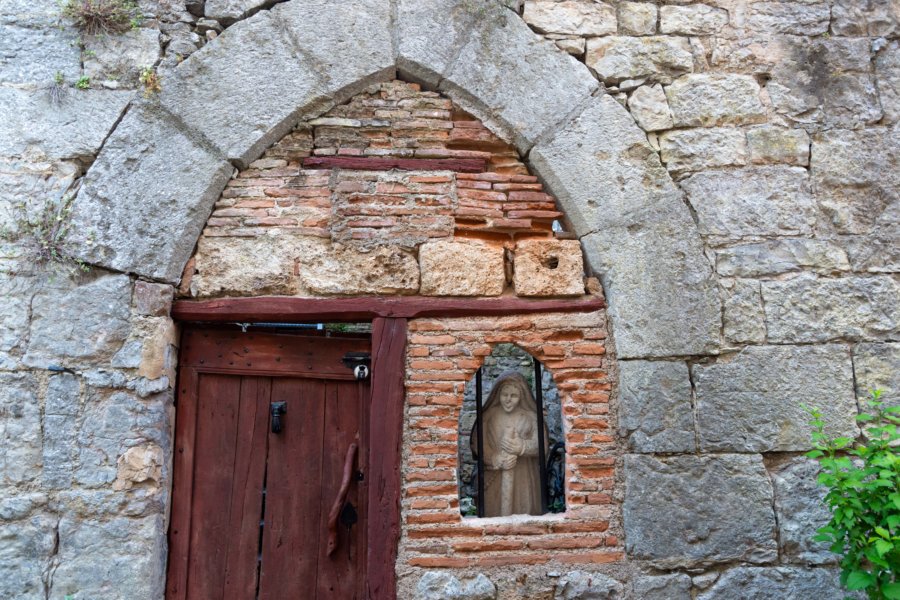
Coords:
525,520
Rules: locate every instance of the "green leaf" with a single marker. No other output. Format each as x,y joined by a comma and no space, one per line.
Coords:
891,591
814,454
859,580
883,532
883,547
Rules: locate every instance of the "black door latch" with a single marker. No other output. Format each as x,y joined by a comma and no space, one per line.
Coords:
277,409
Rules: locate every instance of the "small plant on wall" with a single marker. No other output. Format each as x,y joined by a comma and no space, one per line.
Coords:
863,483
97,17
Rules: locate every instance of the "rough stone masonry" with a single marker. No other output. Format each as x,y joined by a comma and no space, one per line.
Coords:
729,167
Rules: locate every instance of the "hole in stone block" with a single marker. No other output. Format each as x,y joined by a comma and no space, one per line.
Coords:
551,262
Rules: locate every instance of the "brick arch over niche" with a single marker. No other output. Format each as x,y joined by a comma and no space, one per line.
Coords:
147,196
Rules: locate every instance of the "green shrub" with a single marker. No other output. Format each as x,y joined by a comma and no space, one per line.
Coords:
96,17
863,482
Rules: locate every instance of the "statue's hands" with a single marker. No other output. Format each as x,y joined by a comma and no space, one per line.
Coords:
513,445
505,462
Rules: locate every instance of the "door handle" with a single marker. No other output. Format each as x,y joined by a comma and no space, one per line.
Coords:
341,499
277,409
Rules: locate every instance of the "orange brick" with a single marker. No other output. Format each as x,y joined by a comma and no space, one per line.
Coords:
590,348
426,518
447,562
419,351
435,340
580,527
429,387
443,532
590,423
590,557
433,449
431,475
520,529
488,546
564,543
434,365
599,499
505,561
425,503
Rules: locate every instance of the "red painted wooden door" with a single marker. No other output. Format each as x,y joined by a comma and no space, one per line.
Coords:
251,505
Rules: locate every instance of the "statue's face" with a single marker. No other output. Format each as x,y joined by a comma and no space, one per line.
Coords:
510,397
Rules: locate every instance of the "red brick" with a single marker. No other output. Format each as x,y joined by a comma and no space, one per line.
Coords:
488,546
445,562
590,557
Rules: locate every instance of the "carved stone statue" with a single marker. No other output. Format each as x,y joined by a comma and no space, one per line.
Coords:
512,484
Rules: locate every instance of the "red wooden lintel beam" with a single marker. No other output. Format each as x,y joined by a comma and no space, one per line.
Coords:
285,309
377,163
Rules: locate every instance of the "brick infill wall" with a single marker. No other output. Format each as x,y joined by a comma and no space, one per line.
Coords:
443,354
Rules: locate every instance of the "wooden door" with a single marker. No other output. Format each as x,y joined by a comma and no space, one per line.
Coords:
251,505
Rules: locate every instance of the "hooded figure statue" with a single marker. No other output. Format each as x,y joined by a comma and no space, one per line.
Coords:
512,481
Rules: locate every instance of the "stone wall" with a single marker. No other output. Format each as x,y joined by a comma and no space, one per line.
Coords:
730,168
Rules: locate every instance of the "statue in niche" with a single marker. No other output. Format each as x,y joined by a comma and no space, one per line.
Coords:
512,481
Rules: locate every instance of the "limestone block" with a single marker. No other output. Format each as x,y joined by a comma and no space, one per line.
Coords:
755,400
19,506
33,181
877,367
253,60
655,58
120,58
770,144
705,100
649,107
689,511
742,583
637,18
655,406
158,337
872,18
139,464
887,75
570,17
801,510
573,46
15,313
74,129
34,55
57,452
63,395
152,299
744,320
29,13
440,585
698,149
548,268
25,551
877,252
781,256
79,322
640,237
20,429
131,552
578,585
228,11
451,268
326,269
662,587
246,266
757,201
809,309
350,41
517,83
138,220
807,18
694,19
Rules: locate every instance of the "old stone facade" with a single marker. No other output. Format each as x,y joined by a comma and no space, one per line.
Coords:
729,169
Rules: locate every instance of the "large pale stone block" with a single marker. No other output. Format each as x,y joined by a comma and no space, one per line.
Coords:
650,108
15,313
887,74
810,309
655,58
637,233
755,401
247,266
698,149
770,144
452,268
795,18
20,429
228,11
121,58
801,511
440,585
662,587
704,100
877,367
743,583
34,55
872,18
655,406
688,511
637,18
548,268
517,83
147,220
693,19
326,269
743,318
570,17
26,548
781,256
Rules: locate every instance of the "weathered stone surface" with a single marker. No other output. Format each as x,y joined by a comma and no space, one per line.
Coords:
35,55
578,585
29,13
250,266
754,401
770,144
757,201
74,129
662,587
655,406
856,176
152,299
146,220
573,46
786,583
20,429
697,149
451,268
253,60
19,505
877,367
228,11
704,100
57,455
655,58
350,41
874,17
693,19
640,238
63,395
744,320
570,17
887,76
120,58
79,322
25,551
15,311
548,268
341,270
650,108
139,464
100,559
781,256
687,511
801,510
796,18
32,182
877,252
636,18
516,82
810,309
440,585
